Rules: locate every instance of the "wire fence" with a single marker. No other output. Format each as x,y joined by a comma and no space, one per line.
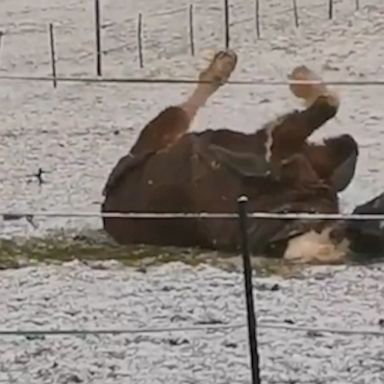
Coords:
196,328
137,25
154,16
311,331
8,215
378,82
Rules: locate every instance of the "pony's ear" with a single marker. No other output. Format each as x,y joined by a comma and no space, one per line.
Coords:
343,174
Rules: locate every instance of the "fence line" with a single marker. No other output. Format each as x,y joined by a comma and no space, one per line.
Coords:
13,30
261,325
9,216
378,82
259,15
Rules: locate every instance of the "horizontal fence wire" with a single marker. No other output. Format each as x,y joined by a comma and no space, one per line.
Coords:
9,216
188,81
276,326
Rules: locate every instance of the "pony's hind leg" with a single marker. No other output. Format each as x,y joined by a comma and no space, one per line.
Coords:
173,122
211,79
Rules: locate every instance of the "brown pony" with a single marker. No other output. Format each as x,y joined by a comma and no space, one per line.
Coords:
171,170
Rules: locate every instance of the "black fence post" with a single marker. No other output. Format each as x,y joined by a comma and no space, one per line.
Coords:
191,30
53,54
330,9
257,18
1,40
98,39
226,24
296,13
252,336
139,39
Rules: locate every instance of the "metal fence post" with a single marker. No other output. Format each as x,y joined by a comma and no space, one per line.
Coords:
252,336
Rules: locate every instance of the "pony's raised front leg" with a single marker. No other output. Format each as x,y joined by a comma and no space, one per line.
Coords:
289,133
321,102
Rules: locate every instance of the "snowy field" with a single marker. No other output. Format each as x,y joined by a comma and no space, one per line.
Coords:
78,131
175,295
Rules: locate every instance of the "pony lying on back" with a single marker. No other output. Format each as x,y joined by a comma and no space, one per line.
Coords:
172,170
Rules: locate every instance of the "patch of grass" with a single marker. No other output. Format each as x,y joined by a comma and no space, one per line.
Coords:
59,247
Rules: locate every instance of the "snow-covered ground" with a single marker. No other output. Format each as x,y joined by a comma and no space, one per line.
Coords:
71,131
175,295
78,131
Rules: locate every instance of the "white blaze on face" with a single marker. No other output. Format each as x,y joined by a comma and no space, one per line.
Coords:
313,247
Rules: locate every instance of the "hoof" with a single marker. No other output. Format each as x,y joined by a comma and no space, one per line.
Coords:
220,68
310,92
332,99
328,98
306,91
